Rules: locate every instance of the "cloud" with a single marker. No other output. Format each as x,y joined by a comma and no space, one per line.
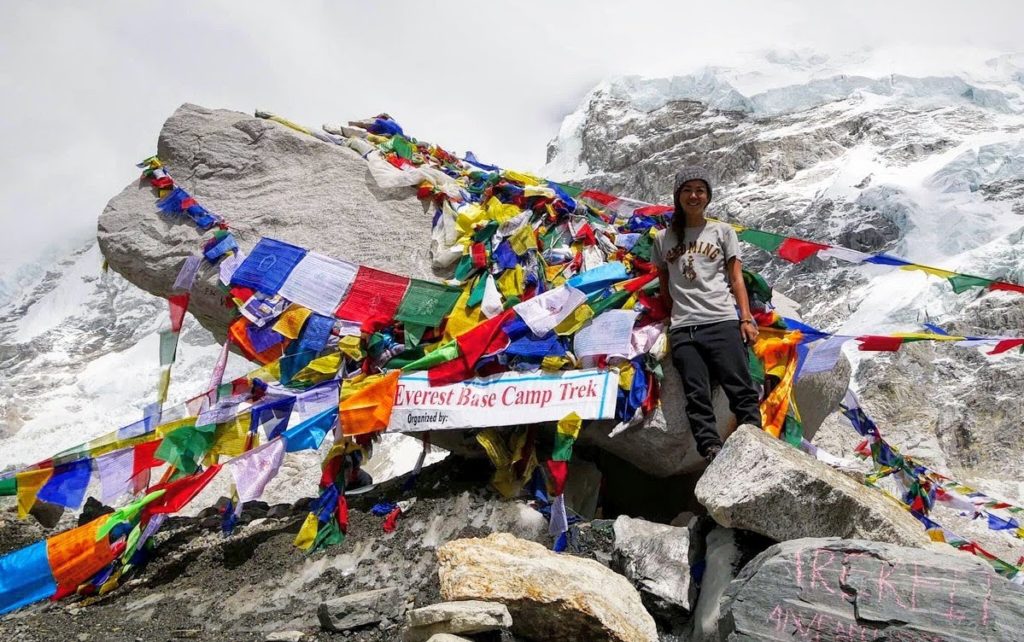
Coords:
87,86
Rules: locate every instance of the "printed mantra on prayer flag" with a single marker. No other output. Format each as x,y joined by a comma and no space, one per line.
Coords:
505,399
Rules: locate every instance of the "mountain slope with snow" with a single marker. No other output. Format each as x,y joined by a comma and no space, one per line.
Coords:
926,168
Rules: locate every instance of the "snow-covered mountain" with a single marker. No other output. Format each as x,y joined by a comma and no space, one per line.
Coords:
927,168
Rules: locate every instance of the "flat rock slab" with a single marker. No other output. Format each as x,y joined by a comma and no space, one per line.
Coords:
550,596
657,559
832,590
467,616
359,609
762,484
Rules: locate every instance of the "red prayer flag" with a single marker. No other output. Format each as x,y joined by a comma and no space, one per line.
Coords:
1006,344
374,295
179,492
1008,287
653,210
558,470
478,252
391,521
178,304
796,250
586,234
164,182
875,343
143,462
343,514
600,197
485,338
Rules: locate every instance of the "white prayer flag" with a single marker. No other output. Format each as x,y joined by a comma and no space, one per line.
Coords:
608,333
319,283
491,305
253,470
544,311
229,265
843,254
115,470
823,355
187,275
559,520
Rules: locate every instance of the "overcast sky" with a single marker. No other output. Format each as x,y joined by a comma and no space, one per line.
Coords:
85,87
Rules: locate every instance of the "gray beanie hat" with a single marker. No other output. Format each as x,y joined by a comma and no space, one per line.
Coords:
691,173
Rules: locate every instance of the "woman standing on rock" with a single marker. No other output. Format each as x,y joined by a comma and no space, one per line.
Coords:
699,264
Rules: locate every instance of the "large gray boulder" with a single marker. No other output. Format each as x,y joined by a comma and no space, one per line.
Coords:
834,590
550,596
764,485
657,559
268,180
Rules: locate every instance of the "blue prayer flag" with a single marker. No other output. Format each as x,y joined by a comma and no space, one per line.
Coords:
66,487
309,434
276,413
220,248
25,577
886,259
267,266
599,278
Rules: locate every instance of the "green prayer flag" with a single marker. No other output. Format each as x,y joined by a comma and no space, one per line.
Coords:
127,513
224,390
426,303
464,268
168,347
476,295
756,286
328,535
402,147
444,354
184,447
642,248
755,366
486,232
964,282
413,334
8,486
614,300
570,190
792,431
764,240
563,447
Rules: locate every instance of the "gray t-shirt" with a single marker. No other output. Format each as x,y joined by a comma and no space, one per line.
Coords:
698,281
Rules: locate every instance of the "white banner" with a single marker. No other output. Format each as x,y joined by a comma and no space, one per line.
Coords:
506,399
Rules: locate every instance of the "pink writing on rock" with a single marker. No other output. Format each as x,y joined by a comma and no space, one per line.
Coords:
868,582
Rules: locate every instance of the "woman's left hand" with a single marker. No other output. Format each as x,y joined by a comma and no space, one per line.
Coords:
749,333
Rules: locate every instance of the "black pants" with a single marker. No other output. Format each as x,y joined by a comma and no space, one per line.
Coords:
713,353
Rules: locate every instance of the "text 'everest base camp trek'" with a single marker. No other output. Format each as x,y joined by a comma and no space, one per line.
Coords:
535,331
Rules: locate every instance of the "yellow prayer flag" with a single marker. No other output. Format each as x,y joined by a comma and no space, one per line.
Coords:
501,212
467,218
553,364
525,179
307,534
936,535
165,429
510,283
290,322
537,190
269,372
29,484
165,383
945,274
522,240
570,425
927,336
229,437
351,347
462,319
626,374
572,323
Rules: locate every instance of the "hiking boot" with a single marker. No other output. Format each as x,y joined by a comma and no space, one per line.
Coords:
712,453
